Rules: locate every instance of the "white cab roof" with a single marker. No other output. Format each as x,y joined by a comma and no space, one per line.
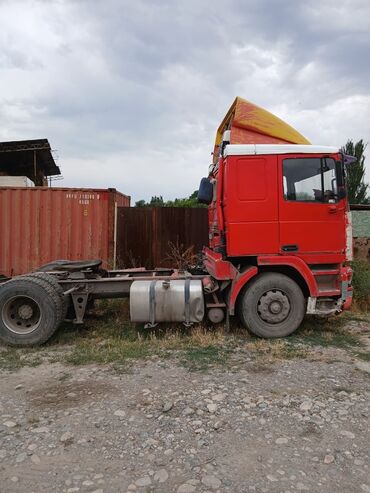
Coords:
251,149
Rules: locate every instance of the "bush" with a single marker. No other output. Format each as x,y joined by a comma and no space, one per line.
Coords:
361,283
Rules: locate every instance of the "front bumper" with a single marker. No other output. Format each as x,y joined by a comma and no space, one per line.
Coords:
328,305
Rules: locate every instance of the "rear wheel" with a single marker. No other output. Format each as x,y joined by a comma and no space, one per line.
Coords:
271,305
28,312
57,288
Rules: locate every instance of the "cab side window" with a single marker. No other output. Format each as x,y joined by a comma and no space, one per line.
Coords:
309,179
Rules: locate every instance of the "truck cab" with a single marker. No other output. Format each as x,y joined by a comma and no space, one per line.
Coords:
280,200
280,231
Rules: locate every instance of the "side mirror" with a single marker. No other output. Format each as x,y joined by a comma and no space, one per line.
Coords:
205,192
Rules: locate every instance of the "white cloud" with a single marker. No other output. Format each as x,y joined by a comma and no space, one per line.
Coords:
131,93
345,16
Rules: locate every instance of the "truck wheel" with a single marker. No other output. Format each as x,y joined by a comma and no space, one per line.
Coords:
272,305
28,312
58,301
57,288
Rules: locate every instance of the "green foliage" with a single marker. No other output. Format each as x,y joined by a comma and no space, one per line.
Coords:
361,281
364,356
357,188
117,351
140,203
155,201
204,358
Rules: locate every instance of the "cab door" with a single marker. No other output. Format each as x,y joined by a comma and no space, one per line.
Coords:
311,216
250,205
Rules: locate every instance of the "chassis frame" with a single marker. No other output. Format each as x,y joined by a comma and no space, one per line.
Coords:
85,285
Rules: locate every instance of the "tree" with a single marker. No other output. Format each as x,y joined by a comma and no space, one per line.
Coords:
357,188
140,203
190,201
156,201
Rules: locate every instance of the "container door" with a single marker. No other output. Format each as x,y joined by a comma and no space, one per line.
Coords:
311,215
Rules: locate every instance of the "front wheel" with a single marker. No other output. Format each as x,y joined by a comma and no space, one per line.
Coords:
271,305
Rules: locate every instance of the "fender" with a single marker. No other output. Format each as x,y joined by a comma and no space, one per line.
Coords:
298,264
220,269
237,284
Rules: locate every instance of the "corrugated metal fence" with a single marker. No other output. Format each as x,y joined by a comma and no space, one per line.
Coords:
145,234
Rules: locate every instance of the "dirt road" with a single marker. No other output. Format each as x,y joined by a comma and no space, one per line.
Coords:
252,425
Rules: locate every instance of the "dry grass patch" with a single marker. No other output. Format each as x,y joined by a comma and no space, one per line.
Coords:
116,340
270,350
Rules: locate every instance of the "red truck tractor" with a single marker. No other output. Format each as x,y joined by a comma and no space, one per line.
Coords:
279,241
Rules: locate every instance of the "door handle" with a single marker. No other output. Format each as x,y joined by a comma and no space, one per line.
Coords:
290,248
333,209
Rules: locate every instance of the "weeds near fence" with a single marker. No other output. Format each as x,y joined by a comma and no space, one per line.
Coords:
180,257
361,284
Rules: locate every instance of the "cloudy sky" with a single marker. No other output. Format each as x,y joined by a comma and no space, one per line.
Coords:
130,93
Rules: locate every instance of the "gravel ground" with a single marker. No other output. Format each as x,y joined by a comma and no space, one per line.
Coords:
284,426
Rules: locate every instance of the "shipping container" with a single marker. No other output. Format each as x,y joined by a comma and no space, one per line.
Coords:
40,224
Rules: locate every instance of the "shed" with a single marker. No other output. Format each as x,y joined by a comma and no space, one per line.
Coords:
30,158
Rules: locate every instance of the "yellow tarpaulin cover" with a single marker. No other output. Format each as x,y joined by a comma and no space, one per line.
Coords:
250,124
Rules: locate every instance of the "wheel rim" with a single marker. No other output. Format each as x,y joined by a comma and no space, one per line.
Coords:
21,314
273,307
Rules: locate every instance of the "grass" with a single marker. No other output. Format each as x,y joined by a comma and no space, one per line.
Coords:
106,353
13,359
115,340
196,349
365,356
202,358
109,338
316,331
270,350
361,284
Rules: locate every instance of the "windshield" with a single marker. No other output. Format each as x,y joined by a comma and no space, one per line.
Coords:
310,179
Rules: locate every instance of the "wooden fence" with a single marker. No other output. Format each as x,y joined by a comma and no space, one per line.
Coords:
146,236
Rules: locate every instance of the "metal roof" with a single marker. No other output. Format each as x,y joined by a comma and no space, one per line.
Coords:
19,157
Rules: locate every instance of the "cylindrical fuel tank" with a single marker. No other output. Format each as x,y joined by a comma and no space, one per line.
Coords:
167,301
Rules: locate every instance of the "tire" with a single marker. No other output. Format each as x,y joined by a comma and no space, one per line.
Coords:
28,311
57,287
50,289
271,305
